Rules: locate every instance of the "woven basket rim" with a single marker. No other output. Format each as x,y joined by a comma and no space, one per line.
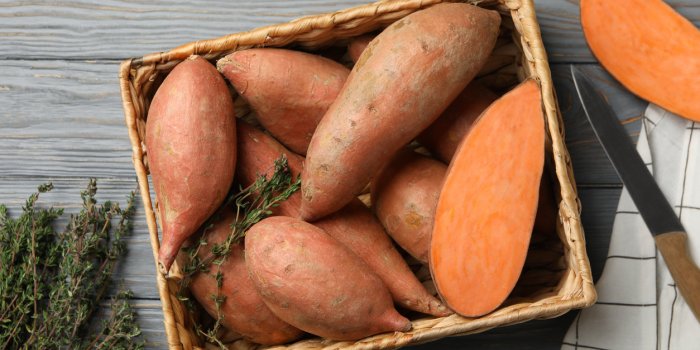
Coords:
524,17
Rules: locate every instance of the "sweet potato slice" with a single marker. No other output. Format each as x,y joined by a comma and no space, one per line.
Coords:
488,204
651,49
403,80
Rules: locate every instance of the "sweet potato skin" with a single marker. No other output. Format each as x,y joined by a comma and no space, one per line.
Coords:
444,135
404,197
358,45
366,125
356,228
354,225
311,281
191,145
243,309
488,204
289,90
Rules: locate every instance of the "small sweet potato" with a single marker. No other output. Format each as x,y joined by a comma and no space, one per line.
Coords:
191,145
444,135
311,281
404,197
403,80
289,90
243,309
354,225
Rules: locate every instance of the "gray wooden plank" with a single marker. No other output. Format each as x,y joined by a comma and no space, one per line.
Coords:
110,29
62,118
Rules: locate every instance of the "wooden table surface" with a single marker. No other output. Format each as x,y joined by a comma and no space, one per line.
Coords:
61,118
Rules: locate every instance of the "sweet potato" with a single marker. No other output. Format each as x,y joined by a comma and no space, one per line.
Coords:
404,197
289,90
402,82
354,225
444,135
191,145
243,309
488,203
357,46
651,49
314,283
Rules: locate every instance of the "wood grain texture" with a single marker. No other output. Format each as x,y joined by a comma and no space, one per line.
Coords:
116,29
674,248
64,119
61,117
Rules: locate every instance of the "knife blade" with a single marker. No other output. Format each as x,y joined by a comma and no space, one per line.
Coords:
664,225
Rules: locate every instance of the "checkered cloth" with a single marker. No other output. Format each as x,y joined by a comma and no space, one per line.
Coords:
639,307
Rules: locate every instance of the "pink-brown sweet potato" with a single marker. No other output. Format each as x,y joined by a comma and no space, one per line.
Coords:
243,309
191,145
404,197
314,283
289,90
357,46
403,80
354,225
444,135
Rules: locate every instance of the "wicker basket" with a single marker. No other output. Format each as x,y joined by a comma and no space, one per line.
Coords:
557,275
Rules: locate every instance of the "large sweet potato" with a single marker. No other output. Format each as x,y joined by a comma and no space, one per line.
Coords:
404,197
403,80
354,225
191,145
289,90
314,283
243,309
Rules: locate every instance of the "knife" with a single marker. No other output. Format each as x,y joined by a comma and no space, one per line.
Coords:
669,234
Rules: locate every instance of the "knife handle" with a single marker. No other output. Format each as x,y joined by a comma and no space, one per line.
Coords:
674,248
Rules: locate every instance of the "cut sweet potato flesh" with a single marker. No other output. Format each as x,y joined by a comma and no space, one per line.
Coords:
488,204
649,48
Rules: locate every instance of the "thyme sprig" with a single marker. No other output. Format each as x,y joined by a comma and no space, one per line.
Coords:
51,283
252,204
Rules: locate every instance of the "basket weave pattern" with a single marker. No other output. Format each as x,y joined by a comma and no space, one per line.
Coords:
560,278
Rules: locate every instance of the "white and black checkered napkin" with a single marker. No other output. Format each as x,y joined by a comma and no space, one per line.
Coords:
639,306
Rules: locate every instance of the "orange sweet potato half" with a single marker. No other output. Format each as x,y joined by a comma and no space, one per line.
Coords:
314,283
488,204
243,308
191,145
385,102
651,49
